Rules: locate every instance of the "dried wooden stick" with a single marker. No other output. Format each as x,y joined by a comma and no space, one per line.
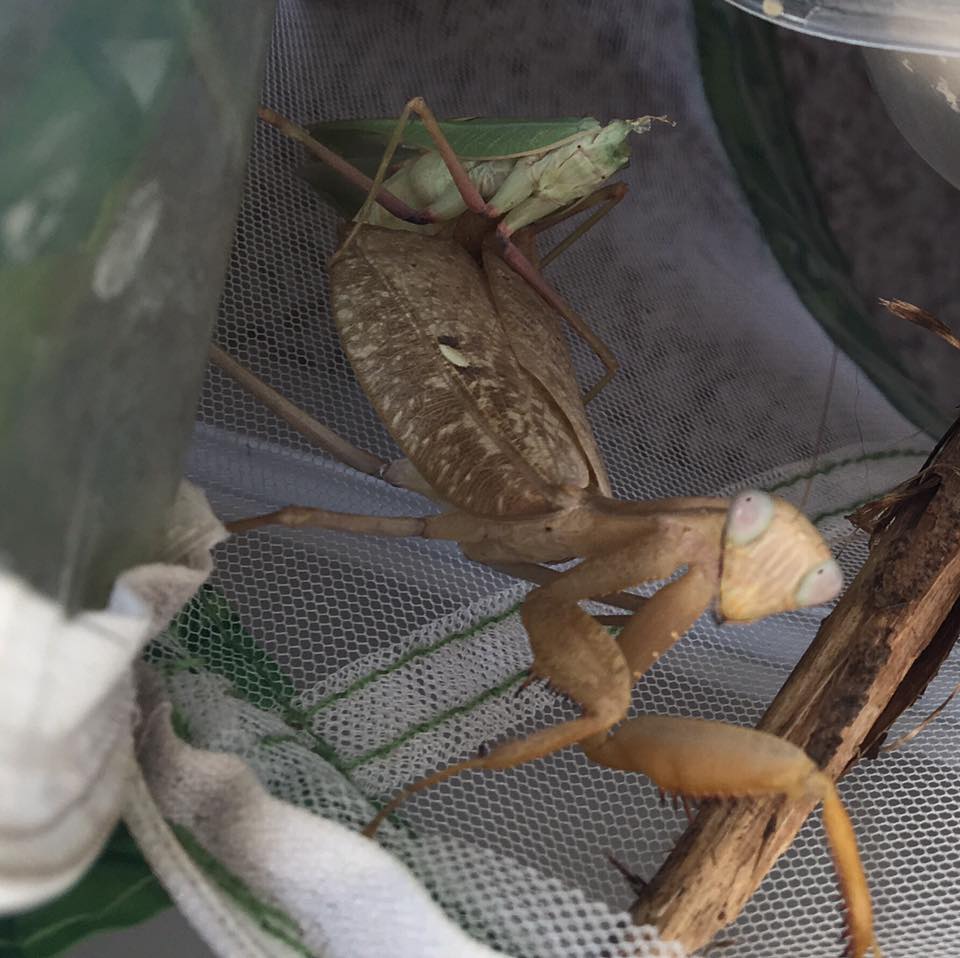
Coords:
870,660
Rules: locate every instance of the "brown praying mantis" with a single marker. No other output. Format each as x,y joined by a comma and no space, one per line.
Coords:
458,344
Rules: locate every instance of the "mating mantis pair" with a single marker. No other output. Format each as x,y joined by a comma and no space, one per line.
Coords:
456,339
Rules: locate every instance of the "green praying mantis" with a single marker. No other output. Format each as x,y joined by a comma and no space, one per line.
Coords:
457,341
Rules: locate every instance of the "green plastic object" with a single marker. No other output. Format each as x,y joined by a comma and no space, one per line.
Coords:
124,132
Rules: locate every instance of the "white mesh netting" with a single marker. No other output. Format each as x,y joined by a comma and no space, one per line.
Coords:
347,666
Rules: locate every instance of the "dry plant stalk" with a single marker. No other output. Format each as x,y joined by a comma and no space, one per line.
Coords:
870,660
922,318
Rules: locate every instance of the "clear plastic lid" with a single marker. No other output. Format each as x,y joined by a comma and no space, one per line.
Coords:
922,95
928,26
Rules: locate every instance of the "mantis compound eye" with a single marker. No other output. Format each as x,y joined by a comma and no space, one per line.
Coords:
821,584
749,517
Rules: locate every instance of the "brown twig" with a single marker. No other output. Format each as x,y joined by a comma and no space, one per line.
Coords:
922,318
908,737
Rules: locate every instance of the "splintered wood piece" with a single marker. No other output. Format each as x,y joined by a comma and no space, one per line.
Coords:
868,662
922,318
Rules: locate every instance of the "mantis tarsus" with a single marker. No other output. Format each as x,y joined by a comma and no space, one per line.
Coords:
460,351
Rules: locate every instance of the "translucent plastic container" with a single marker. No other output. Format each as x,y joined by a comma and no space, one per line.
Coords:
922,95
913,54
124,127
929,26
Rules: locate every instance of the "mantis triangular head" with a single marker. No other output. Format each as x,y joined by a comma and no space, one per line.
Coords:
773,560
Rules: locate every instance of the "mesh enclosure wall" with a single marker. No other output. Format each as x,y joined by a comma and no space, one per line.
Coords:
343,667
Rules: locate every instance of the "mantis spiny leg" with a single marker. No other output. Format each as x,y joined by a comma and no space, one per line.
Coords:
704,759
594,672
668,615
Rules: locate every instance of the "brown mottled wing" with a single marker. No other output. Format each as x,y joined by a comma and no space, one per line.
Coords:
535,332
418,325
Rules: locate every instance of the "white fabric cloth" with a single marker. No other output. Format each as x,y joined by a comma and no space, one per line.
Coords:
347,895
67,708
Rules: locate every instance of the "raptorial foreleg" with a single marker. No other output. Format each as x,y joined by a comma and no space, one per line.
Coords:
703,759
577,656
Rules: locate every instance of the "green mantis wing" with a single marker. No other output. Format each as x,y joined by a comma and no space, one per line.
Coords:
474,138
491,144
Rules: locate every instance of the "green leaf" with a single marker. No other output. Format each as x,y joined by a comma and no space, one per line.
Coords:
217,641
119,890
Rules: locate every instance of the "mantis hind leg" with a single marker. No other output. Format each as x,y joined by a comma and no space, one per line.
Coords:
300,421
398,472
